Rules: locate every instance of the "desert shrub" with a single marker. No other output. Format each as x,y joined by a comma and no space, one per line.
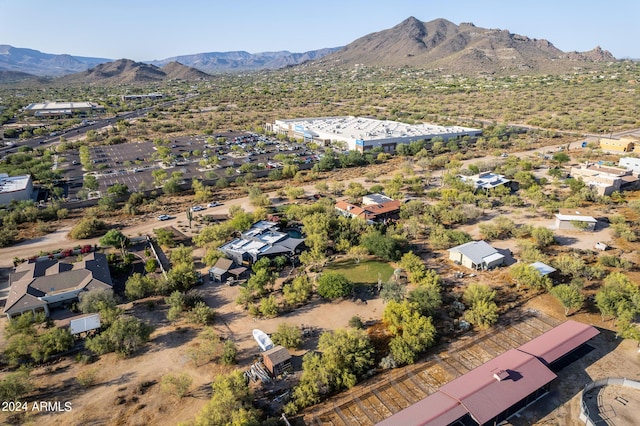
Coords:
87,377
356,322
15,385
229,353
86,228
176,384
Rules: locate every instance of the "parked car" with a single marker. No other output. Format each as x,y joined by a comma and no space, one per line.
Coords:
197,208
214,204
164,217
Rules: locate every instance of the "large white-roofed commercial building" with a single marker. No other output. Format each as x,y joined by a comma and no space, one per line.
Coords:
363,134
16,188
63,108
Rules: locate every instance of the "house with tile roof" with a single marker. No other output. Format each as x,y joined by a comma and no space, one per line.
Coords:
42,285
375,208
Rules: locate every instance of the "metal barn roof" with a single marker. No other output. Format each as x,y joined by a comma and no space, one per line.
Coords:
559,341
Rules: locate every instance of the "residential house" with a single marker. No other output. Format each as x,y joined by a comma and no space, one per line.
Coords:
42,285
605,180
624,144
630,163
263,239
487,180
476,255
375,208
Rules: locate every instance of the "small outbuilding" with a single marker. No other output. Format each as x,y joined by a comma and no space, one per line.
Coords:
543,268
277,360
225,269
576,222
476,255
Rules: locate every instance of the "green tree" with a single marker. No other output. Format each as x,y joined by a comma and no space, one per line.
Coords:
51,342
426,299
86,228
164,237
298,291
118,190
294,192
332,285
347,355
96,300
392,290
138,286
478,292
150,266
181,255
90,182
125,336
560,158
413,332
229,353
569,296
383,246
117,239
287,335
268,306
357,253
542,236
230,404
182,276
529,277
483,313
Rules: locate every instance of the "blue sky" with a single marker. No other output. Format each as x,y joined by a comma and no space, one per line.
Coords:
156,29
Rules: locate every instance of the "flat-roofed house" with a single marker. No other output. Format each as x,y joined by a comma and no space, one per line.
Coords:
605,180
263,239
487,180
62,108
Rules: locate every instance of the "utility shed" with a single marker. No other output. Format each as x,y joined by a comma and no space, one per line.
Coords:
277,360
543,268
220,270
575,221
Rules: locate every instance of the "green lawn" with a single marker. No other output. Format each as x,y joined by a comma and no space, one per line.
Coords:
365,272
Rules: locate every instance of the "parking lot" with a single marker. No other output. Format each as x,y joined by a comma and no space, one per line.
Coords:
132,164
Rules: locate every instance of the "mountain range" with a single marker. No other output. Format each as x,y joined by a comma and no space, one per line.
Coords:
463,49
434,45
